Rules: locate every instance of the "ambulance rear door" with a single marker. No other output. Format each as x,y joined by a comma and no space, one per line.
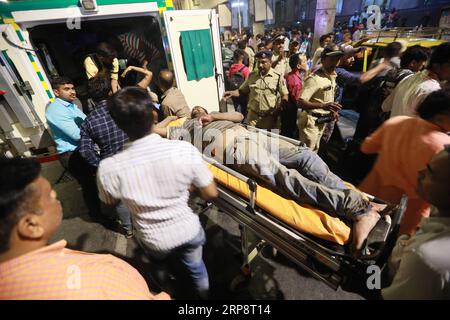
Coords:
207,91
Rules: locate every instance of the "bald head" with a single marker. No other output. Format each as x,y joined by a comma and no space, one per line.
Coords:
165,79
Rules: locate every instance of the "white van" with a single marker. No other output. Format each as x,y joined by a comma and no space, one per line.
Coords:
42,38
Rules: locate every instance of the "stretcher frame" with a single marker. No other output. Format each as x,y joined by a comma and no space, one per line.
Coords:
326,264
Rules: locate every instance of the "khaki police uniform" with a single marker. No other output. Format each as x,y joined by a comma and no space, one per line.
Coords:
318,87
264,96
282,67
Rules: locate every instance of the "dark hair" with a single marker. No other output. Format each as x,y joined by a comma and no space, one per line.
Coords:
98,88
440,55
393,50
294,61
106,50
262,44
60,81
242,44
131,108
414,53
437,102
323,38
16,194
238,53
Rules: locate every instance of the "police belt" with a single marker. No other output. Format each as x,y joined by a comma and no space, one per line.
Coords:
318,115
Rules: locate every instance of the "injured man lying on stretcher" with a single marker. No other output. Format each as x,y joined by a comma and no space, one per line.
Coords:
292,171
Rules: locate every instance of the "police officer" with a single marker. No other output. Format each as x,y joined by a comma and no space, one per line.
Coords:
317,98
267,93
279,61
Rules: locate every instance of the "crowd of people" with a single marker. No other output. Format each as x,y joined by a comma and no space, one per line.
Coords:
134,170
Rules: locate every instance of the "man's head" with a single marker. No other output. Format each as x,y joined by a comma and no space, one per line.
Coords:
165,80
436,109
106,53
268,42
198,112
30,212
132,110
324,40
99,88
298,62
264,61
440,61
355,14
242,44
392,50
414,58
261,47
238,56
433,181
348,58
346,37
294,47
64,89
278,44
330,57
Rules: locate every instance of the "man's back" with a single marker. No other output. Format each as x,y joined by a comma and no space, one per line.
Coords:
55,272
174,103
409,93
404,146
101,129
152,177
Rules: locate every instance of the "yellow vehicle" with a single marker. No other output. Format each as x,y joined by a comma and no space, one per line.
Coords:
427,37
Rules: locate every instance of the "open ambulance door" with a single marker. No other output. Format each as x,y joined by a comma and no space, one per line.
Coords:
206,92
20,83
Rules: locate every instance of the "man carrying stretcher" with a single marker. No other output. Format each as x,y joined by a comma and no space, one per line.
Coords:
292,171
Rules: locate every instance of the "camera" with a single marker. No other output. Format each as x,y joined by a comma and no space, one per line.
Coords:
325,119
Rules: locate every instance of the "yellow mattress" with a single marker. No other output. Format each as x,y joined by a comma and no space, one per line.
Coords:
301,217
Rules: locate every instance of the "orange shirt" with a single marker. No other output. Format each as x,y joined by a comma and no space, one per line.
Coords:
404,145
54,272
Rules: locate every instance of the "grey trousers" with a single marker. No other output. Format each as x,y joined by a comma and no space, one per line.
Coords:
296,172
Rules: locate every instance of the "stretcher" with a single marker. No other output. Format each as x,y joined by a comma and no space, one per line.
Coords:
314,240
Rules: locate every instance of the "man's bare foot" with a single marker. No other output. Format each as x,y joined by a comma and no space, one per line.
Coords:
364,224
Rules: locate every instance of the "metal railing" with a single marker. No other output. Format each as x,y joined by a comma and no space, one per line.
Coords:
410,33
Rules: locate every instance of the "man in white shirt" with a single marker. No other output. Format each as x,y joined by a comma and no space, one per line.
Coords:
421,263
152,177
412,90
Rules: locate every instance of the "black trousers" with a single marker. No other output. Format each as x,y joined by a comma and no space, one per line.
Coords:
85,175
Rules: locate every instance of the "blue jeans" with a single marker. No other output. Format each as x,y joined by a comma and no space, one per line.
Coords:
298,173
119,211
186,264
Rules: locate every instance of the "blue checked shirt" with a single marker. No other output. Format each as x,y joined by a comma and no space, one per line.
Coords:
99,129
64,119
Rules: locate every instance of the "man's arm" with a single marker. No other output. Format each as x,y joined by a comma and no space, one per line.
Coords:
308,105
148,76
229,116
106,183
372,73
87,146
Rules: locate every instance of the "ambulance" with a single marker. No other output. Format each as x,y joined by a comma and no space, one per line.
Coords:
45,38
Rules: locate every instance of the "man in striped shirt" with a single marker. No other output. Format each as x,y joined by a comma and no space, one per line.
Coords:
152,177
30,214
